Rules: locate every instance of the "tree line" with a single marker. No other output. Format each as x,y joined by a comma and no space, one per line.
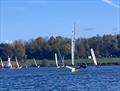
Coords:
45,48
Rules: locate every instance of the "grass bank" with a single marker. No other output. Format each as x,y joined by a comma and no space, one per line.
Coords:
101,61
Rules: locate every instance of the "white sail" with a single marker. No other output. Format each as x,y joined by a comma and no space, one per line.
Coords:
69,67
18,66
93,56
62,58
9,63
35,62
73,44
2,63
56,61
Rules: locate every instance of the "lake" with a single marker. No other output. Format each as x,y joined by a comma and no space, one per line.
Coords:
103,78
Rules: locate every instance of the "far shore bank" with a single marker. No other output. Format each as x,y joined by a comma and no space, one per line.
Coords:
51,63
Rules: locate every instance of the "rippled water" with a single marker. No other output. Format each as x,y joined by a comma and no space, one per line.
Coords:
103,78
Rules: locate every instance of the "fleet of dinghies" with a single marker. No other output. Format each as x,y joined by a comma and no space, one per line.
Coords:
72,68
16,64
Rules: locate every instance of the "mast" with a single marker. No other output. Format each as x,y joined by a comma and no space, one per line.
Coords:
73,45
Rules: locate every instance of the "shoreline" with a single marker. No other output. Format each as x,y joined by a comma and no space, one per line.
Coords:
88,64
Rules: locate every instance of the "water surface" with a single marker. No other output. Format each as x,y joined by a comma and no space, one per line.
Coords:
103,78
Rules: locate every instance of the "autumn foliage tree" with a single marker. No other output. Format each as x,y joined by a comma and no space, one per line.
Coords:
45,48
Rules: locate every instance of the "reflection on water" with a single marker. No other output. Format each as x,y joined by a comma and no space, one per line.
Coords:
104,78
